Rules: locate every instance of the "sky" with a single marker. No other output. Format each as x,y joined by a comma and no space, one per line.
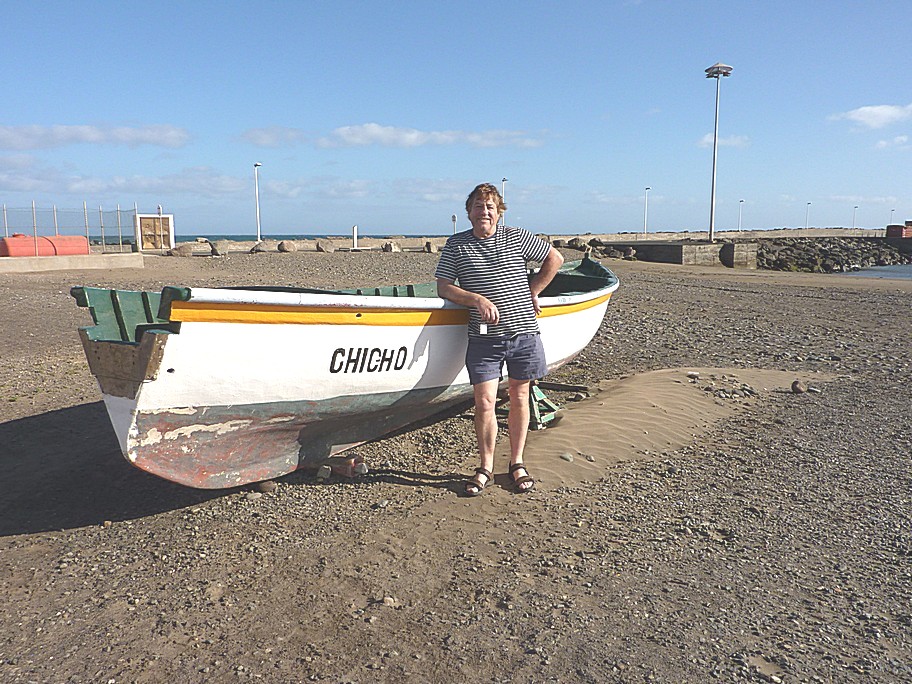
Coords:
386,115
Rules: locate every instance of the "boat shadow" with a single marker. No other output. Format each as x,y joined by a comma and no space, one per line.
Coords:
63,469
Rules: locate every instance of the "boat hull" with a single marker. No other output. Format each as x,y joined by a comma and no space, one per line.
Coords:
215,447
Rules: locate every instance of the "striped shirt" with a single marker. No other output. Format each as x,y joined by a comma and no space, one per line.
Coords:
495,267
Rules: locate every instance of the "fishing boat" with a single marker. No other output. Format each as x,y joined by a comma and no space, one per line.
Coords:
220,387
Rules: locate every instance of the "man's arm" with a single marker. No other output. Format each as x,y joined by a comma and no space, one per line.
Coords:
549,268
485,307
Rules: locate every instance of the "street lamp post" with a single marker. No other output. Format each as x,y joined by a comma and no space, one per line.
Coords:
453,218
645,208
503,194
807,213
854,212
892,211
740,207
256,193
716,71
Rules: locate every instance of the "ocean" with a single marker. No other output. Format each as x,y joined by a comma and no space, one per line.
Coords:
902,272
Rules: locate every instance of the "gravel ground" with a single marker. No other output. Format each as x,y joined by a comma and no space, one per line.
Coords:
777,546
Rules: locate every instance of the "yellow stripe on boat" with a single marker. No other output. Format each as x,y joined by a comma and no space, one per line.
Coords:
562,309
212,312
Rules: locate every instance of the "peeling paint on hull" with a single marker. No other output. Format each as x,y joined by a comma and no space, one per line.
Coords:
216,447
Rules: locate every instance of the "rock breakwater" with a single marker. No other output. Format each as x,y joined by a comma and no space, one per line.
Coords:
828,255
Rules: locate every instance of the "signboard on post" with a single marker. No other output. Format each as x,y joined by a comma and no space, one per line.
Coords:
154,231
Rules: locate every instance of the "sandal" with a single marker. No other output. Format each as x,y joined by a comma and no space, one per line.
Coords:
475,486
518,482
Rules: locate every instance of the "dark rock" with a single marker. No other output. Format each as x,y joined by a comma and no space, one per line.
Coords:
184,249
827,255
219,247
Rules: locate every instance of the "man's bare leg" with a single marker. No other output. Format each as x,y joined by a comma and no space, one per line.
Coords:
486,424
518,422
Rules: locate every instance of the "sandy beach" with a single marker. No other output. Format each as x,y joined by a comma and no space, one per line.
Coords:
694,518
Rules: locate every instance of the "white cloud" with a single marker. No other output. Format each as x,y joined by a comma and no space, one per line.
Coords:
24,182
323,188
432,191
274,136
364,135
17,161
888,200
876,116
192,181
899,142
730,141
369,134
348,189
618,200
198,180
43,137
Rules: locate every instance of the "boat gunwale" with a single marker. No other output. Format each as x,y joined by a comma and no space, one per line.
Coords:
337,299
308,299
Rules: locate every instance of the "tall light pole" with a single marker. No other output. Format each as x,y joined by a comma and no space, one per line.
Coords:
503,194
807,213
740,207
645,208
892,211
453,218
716,71
256,193
854,211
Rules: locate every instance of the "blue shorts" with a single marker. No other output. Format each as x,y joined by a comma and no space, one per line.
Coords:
523,354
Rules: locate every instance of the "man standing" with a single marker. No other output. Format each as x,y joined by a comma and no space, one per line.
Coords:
489,264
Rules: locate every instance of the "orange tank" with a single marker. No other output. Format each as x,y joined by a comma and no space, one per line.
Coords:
55,245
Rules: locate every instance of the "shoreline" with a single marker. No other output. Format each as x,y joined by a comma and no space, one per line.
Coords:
629,236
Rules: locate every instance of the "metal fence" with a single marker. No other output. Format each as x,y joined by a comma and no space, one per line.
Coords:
112,230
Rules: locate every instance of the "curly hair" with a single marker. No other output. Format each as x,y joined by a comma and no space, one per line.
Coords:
485,190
